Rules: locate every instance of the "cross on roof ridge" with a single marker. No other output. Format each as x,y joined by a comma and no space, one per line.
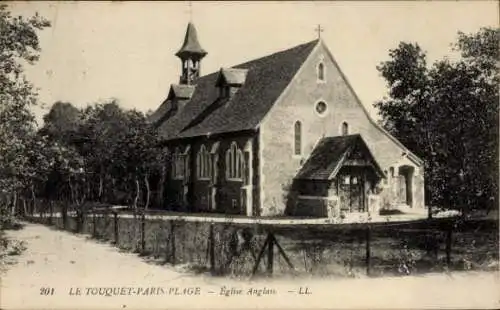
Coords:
190,11
319,30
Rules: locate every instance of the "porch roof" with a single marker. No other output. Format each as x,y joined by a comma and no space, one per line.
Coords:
331,154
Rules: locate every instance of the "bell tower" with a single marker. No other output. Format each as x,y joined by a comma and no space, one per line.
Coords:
191,53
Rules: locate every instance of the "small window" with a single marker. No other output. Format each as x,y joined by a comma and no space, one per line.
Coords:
391,174
298,138
224,91
345,129
346,180
354,180
321,72
386,177
321,107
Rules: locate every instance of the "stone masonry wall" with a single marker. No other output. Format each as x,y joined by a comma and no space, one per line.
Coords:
279,165
228,191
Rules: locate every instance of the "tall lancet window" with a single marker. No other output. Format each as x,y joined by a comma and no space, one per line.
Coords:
297,138
321,72
203,164
345,129
178,165
234,163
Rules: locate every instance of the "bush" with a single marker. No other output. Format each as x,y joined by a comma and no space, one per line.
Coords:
15,247
8,221
8,249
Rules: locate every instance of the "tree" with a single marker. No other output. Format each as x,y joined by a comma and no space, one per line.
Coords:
448,114
62,123
407,78
19,45
140,157
103,125
117,147
77,154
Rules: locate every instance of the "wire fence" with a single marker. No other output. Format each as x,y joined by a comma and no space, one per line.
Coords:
245,250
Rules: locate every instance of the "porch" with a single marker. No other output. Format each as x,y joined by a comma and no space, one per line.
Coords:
339,180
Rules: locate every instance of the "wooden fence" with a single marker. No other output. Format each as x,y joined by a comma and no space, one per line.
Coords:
246,249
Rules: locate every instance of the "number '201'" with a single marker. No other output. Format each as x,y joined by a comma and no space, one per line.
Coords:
46,291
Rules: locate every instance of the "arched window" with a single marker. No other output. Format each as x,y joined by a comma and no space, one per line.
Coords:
386,179
234,163
345,129
321,72
297,138
178,164
203,164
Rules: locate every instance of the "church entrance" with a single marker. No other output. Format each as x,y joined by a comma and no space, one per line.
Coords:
351,190
346,164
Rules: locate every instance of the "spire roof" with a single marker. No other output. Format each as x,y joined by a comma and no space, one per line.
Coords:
191,46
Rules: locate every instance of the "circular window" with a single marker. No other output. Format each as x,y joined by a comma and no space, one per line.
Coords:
321,107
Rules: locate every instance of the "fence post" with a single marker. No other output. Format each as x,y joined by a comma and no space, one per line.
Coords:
143,232
283,254
368,250
270,254
79,219
51,210
64,211
115,226
94,224
85,220
172,242
211,249
449,231
259,256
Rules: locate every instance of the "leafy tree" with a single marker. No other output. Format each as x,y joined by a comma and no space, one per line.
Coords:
117,148
19,45
62,123
78,154
102,126
407,78
139,153
448,114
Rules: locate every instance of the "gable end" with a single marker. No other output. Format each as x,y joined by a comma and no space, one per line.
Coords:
414,158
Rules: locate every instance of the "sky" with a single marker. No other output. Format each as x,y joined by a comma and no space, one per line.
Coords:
95,51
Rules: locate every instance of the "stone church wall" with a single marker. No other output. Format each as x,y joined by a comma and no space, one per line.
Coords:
229,193
279,164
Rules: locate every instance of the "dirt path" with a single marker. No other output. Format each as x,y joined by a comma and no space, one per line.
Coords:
68,263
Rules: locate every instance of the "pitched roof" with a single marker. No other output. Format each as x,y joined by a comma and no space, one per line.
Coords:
330,154
191,45
206,113
163,111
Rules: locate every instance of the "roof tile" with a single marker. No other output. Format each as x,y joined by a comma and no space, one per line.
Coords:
329,155
206,113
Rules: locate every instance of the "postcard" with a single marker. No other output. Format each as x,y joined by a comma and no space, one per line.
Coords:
242,155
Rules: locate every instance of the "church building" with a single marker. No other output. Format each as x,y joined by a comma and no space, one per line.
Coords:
284,134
